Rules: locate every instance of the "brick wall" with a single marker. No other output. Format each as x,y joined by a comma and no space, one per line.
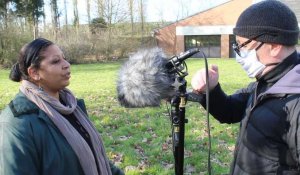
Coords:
224,14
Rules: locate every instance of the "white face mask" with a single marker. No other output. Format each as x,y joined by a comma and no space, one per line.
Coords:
250,63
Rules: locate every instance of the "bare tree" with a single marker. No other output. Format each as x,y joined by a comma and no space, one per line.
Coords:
142,17
66,13
88,8
54,16
184,9
130,6
113,12
109,17
35,28
76,16
44,19
4,11
100,5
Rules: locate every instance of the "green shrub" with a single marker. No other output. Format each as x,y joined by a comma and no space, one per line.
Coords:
11,41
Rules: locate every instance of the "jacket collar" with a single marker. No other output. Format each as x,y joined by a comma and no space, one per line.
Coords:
288,84
22,106
280,70
285,77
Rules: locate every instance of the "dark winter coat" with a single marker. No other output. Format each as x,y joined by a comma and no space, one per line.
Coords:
269,114
30,143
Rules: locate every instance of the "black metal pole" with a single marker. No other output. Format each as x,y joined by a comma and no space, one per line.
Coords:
178,120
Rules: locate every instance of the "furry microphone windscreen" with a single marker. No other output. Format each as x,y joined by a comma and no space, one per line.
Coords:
143,80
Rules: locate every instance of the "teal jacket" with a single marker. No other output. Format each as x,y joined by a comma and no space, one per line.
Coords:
30,143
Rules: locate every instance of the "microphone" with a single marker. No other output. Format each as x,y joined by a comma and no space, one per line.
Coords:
177,60
148,77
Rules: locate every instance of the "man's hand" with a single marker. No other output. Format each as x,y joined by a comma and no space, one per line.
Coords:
199,79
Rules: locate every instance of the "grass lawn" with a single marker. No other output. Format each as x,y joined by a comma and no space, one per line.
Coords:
138,140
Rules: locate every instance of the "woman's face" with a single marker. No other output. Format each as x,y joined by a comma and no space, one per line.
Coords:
54,71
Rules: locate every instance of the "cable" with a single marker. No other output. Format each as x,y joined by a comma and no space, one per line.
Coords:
182,72
207,114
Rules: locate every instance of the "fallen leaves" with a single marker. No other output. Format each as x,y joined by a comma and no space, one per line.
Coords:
117,158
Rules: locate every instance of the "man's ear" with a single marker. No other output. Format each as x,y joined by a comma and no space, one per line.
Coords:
275,49
33,73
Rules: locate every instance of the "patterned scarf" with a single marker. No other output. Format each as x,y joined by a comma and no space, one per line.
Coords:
54,109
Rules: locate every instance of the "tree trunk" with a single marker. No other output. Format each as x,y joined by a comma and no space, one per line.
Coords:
35,28
76,17
142,19
54,13
88,8
5,12
44,20
130,5
66,17
100,8
110,16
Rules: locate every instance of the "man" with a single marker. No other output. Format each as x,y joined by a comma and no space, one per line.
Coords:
269,108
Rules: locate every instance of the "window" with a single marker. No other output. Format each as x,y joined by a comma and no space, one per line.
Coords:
210,45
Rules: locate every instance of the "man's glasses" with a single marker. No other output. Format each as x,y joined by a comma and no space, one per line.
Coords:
237,48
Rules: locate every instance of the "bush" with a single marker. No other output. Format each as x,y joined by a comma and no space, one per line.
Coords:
79,45
11,41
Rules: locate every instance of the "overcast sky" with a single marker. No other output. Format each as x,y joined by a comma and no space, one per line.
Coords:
172,10
156,10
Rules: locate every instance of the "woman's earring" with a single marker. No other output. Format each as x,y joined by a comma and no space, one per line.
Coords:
40,88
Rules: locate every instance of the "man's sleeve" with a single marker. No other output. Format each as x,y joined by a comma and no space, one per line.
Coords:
227,108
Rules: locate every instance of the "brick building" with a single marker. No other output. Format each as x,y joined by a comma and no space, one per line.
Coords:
211,30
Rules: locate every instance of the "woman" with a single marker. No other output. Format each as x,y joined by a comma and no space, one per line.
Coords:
44,130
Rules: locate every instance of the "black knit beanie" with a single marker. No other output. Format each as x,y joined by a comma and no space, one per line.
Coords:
273,20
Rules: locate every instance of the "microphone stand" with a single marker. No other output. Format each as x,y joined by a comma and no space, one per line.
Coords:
178,102
178,122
